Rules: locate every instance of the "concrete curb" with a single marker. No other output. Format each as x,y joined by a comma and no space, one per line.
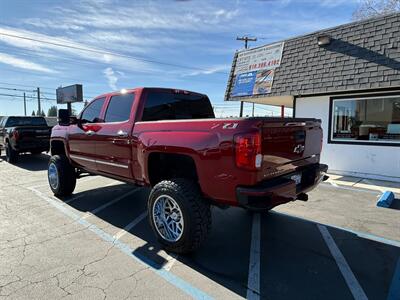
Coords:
386,199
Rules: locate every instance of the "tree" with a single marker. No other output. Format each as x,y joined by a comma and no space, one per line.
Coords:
373,8
40,113
52,111
33,113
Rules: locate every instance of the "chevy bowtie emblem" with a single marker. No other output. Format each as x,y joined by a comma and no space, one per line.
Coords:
298,149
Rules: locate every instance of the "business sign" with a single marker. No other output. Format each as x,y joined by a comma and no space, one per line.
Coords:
254,70
69,94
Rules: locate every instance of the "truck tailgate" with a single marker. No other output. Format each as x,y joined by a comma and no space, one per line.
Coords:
287,145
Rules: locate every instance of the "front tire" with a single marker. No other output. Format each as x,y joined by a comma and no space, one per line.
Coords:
61,176
179,216
11,154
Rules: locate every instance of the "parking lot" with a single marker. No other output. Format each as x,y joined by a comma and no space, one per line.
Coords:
98,244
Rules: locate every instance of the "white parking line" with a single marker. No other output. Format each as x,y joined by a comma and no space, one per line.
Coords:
86,179
128,227
332,184
352,283
178,282
363,235
171,259
100,208
253,282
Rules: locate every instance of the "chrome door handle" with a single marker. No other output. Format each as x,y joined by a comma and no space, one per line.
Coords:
122,133
89,132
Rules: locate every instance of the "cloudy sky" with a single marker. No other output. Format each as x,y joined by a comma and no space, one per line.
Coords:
180,44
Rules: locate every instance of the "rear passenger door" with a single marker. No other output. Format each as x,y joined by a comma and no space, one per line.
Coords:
113,139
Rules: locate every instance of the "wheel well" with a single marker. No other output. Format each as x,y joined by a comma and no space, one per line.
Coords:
163,166
57,147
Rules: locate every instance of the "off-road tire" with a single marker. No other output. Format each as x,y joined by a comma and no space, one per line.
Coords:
195,210
66,176
11,154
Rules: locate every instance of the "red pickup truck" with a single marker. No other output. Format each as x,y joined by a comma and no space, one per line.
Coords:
170,140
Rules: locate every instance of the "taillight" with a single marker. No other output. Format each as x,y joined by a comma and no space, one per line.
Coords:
248,151
15,134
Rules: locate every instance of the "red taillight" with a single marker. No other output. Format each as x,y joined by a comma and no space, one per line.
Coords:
248,151
15,134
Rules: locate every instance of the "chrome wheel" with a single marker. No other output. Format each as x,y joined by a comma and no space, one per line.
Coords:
168,218
53,176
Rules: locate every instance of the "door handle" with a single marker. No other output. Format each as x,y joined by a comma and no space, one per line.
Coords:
122,134
89,132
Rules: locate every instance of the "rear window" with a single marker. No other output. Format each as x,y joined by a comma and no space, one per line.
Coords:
172,106
25,121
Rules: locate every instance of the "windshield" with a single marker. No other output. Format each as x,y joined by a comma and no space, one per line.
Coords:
25,121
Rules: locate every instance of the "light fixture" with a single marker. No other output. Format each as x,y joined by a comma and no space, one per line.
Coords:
124,91
323,40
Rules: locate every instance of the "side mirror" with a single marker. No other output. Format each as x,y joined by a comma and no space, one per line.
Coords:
63,117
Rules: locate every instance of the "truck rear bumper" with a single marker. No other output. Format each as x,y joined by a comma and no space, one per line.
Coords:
283,189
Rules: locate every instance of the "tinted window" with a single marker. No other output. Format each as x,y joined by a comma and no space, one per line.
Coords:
91,114
172,106
119,108
25,121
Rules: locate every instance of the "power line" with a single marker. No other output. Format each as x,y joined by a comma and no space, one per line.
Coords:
153,61
88,61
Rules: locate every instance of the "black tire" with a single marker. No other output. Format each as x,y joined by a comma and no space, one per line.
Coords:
195,210
65,174
11,154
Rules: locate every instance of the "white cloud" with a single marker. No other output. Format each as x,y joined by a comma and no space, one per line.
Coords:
111,77
23,64
210,70
138,15
45,46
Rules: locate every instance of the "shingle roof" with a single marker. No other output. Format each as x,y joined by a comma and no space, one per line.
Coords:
361,55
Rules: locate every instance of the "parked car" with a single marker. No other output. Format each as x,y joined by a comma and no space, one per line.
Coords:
170,140
23,134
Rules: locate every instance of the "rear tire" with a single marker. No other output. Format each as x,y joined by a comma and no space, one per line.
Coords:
61,175
11,154
185,209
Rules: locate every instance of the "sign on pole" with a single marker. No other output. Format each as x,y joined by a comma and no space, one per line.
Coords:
69,94
254,71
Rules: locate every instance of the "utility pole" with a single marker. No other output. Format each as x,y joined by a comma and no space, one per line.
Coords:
246,39
38,101
25,104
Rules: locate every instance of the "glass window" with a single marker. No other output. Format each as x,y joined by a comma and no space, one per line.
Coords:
374,119
176,106
25,121
119,108
92,112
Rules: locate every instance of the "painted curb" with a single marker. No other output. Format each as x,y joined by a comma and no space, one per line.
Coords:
386,199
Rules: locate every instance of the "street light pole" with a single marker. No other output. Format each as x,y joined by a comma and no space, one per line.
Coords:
246,39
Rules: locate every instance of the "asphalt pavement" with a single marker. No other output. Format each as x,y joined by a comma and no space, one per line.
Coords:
98,244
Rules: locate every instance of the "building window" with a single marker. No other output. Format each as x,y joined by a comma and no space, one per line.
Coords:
366,120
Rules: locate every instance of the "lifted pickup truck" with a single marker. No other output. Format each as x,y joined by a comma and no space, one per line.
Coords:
170,140
23,134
